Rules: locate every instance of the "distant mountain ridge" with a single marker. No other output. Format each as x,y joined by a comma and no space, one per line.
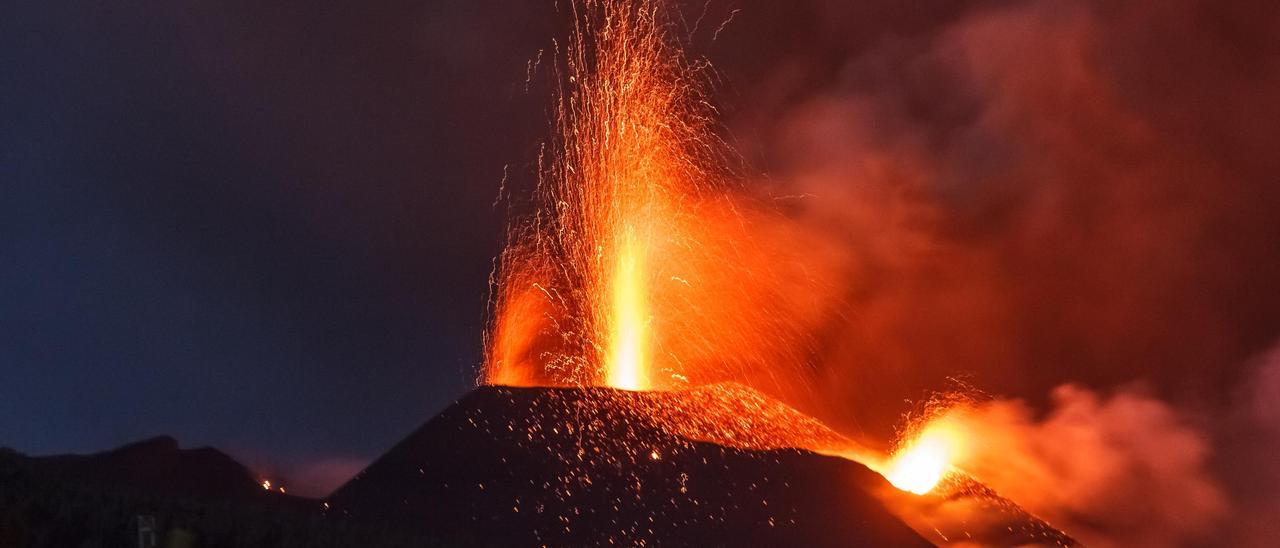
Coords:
186,497
157,466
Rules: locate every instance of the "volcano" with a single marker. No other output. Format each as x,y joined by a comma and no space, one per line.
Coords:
716,465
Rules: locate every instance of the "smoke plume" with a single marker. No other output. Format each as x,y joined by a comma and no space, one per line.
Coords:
1037,193
1055,200
1114,470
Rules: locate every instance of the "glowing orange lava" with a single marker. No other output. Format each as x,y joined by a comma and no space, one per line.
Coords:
923,461
582,280
920,467
628,331
639,267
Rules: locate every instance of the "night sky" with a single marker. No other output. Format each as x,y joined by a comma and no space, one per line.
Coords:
269,228
266,229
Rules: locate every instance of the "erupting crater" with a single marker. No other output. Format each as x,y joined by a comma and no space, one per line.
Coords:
621,305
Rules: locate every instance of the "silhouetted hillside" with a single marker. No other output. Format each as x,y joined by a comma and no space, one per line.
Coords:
157,466
196,498
579,467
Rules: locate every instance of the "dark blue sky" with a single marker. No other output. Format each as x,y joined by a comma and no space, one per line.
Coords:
266,229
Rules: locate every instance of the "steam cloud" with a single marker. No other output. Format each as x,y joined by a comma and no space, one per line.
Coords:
1046,196
1119,470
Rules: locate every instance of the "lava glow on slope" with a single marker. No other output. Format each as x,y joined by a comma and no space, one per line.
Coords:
932,444
922,462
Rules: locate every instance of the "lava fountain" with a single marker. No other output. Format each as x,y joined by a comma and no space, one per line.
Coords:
609,281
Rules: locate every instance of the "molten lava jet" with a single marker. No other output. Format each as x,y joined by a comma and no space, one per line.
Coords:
628,330
579,287
641,268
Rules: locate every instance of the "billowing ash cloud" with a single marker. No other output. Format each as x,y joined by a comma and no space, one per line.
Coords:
1042,192
1032,194
1115,470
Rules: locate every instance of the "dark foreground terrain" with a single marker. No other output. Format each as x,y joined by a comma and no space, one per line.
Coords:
599,467
505,467
187,498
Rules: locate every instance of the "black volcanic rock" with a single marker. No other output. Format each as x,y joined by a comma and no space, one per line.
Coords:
580,467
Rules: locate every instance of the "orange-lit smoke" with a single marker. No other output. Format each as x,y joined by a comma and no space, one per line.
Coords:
1118,470
640,269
